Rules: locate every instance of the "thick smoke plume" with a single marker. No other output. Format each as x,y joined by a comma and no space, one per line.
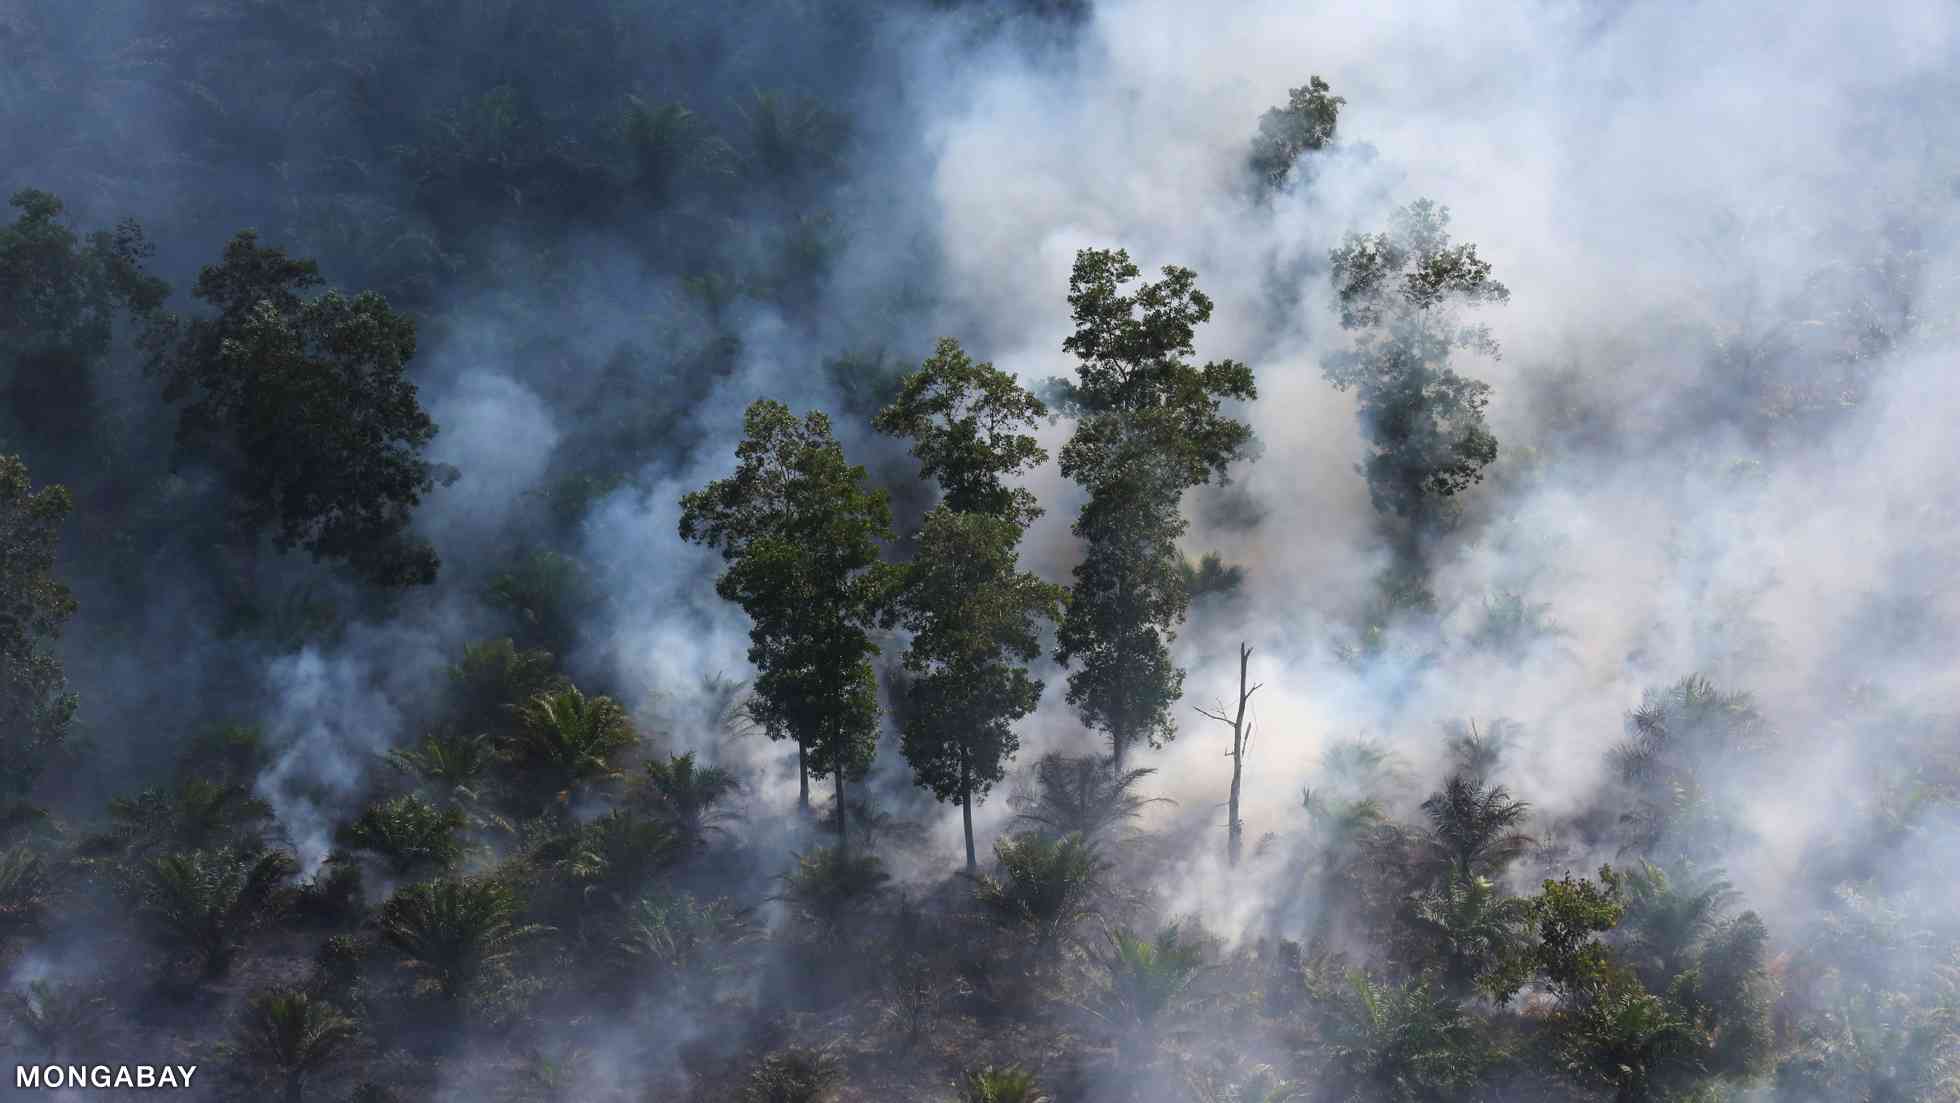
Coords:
1722,405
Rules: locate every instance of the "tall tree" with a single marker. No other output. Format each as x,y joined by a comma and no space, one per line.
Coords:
1401,293
60,296
305,406
973,616
35,706
1149,426
800,533
1306,123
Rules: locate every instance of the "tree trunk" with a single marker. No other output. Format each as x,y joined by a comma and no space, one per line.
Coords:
843,817
1236,838
1241,737
803,776
966,808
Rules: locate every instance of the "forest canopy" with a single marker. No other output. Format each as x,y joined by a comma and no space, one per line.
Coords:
983,551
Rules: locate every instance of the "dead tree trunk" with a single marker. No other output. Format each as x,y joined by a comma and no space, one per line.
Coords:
1241,737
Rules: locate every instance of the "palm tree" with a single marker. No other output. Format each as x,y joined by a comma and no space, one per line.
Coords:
1478,934
1047,885
567,739
1013,1084
667,141
454,931
1473,830
491,679
199,814
1676,739
828,882
1477,751
789,138
1083,796
1667,922
688,796
616,853
680,940
207,901
293,1035
409,833
1399,1042
1628,1041
455,765
1143,980
795,1075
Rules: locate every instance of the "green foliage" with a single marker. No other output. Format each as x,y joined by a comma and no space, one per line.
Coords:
205,902
967,422
1084,795
1667,921
409,833
790,139
1046,884
455,766
456,932
291,1035
795,1075
197,814
1625,1040
688,798
551,597
1405,1043
828,883
669,143
1473,830
975,624
565,740
1002,1085
306,407
1475,935
973,616
60,297
35,705
684,944
1681,741
616,854
1568,916
1306,123
799,533
1400,292
1143,982
1211,577
491,679
1149,425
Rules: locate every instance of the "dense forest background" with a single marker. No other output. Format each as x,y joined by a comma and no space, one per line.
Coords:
990,551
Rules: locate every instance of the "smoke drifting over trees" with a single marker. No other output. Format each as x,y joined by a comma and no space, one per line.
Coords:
467,465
